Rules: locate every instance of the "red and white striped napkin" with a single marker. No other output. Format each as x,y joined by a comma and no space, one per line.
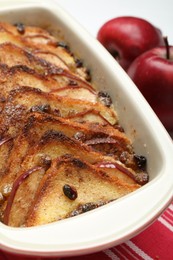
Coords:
156,242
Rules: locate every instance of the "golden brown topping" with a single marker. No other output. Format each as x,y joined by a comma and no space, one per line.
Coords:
61,142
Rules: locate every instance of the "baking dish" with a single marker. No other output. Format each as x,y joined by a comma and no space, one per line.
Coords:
122,219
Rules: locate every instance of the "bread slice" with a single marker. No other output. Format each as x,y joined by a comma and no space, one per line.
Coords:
26,99
38,124
105,139
20,75
22,56
87,133
70,183
26,155
94,187
42,44
55,145
21,30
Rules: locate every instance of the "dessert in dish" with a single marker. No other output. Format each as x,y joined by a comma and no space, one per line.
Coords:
62,148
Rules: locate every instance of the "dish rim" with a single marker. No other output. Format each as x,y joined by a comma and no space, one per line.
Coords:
89,242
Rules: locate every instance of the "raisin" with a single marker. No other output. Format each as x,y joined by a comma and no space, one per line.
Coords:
57,112
124,157
88,206
45,161
63,45
88,75
70,192
119,128
42,108
141,161
79,163
20,28
79,63
105,98
72,83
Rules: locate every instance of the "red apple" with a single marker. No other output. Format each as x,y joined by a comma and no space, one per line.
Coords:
152,72
127,37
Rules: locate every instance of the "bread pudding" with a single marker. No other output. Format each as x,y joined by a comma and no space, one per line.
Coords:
63,151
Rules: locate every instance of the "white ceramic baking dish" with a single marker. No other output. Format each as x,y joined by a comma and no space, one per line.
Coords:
120,220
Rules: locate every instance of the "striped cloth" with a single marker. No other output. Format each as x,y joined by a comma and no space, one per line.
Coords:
156,242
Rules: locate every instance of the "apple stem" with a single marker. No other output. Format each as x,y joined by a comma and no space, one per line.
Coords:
167,48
